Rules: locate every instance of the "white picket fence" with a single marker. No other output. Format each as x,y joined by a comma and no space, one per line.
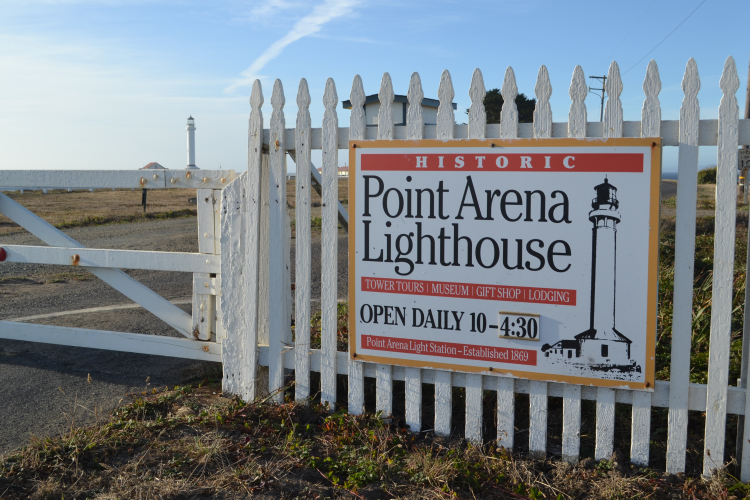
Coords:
256,238
243,292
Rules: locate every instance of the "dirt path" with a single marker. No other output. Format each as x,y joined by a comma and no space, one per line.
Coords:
41,382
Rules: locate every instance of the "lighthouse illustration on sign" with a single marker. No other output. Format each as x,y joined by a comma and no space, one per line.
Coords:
601,347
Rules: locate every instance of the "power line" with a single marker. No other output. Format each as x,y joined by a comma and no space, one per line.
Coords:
609,58
665,38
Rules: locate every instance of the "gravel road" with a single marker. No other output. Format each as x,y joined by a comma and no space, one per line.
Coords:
41,382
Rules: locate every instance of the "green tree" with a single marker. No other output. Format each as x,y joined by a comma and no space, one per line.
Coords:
493,105
707,176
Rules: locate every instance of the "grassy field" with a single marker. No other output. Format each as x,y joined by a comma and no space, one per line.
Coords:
83,208
189,442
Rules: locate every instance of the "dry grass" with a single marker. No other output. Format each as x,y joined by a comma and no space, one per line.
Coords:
192,443
63,209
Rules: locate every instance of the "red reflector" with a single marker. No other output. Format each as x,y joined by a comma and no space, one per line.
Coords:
3,254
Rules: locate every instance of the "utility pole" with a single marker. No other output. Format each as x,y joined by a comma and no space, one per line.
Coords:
603,94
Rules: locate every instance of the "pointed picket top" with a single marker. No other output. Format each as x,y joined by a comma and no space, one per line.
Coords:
613,108
729,82
256,96
385,115
445,117
277,96
357,116
577,116
330,97
651,111
543,110
303,109
509,114
303,95
477,113
414,118
652,83
691,82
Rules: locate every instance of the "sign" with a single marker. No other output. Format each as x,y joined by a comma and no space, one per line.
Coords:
743,159
529,258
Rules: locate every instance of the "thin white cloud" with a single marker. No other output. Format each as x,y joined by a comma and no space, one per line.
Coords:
308,25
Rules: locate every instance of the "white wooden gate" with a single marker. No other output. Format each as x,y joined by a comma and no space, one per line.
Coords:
203,335
255,237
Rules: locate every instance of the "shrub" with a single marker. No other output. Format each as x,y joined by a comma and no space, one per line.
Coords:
707,176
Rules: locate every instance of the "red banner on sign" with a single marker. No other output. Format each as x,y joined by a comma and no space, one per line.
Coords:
505,162
534,295
450,350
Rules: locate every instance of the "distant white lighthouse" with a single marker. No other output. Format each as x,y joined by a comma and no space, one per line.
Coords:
190,144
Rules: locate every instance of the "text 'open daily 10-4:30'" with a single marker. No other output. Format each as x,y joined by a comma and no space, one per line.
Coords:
531,258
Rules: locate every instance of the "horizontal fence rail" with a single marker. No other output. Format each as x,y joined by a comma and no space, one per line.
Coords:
261,244
125,259
119,179
708,133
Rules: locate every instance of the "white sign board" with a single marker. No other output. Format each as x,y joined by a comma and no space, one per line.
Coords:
743,159
530,258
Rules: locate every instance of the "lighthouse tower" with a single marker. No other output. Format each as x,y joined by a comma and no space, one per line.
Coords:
191,144
604,256
602,344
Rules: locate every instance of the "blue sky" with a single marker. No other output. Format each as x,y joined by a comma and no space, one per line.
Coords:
108,84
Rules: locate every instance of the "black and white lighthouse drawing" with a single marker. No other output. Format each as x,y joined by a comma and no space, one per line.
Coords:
601,347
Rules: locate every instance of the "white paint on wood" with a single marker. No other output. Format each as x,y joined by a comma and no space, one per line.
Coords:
264,271
613,108
445,118
543,110
132,289
413,386
113,341
640,435
355,369
477,114
115,179
509,114
384,389
577,117
474,394
682,315
252,245
651,111
605,423
640,428
357,116
669,129
123,259
277,287
571,438
506,412
538,419
329,243
204,304
385,113
303,249
414,118
723,277
356,373
218,325
443,402
198,179
233,258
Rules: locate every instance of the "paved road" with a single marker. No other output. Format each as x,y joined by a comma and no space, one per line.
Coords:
41,382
